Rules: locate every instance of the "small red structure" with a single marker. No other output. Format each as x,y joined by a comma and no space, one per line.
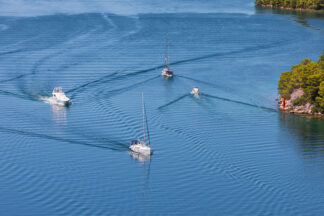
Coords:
284,103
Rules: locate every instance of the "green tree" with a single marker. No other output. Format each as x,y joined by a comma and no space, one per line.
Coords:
320,99
309,76
304,4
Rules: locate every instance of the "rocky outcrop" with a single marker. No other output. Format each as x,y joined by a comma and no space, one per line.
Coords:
291,108
285,8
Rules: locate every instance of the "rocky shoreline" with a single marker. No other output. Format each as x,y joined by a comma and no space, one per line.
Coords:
288,105
288,8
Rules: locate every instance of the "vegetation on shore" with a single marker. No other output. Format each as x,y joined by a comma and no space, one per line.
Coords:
292,4
309,76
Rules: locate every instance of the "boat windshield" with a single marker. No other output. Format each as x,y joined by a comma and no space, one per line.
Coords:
58,90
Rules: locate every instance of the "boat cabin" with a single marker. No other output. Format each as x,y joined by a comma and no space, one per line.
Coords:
58,90
134,142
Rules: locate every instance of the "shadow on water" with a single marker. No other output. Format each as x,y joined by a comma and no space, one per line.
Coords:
25,96
127,88
7,93
94,82
309,131
144,189
115,92
12,52
312,14
240,102
218,98
173,101
121,147
114,76
304,23
205,82
299,17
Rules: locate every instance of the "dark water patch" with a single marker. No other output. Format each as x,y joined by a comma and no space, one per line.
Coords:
25,96
130,87
94,82
12,52
34,69
244,50
173,101
311,14
225,88
240,102
143,71
66,44
44,136
304,23
308,131
111,93
112,77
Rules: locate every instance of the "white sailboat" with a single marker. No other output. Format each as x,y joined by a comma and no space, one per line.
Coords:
139,145
167,72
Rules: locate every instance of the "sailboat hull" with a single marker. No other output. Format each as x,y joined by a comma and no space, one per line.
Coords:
141,148
167,72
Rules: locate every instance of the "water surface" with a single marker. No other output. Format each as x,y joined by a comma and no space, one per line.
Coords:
228,152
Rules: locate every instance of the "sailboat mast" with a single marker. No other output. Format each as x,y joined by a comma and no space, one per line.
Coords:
166,51
148,132
143,115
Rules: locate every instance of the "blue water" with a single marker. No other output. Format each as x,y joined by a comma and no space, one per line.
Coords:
229,152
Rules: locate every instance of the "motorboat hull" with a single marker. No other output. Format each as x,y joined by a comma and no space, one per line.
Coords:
195,91
59,97
61,102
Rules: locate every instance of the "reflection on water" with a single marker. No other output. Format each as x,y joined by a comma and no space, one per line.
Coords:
196,96
59,114
299,17
308,130
299,14
143,190
140,157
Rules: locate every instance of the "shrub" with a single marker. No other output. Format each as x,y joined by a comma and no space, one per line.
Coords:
309,76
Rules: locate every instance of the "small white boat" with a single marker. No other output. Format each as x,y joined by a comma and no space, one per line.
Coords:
60,97
140,146
166,72
195,91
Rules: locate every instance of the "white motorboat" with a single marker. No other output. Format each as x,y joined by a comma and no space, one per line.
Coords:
140,146
166,72
60,97
195,91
